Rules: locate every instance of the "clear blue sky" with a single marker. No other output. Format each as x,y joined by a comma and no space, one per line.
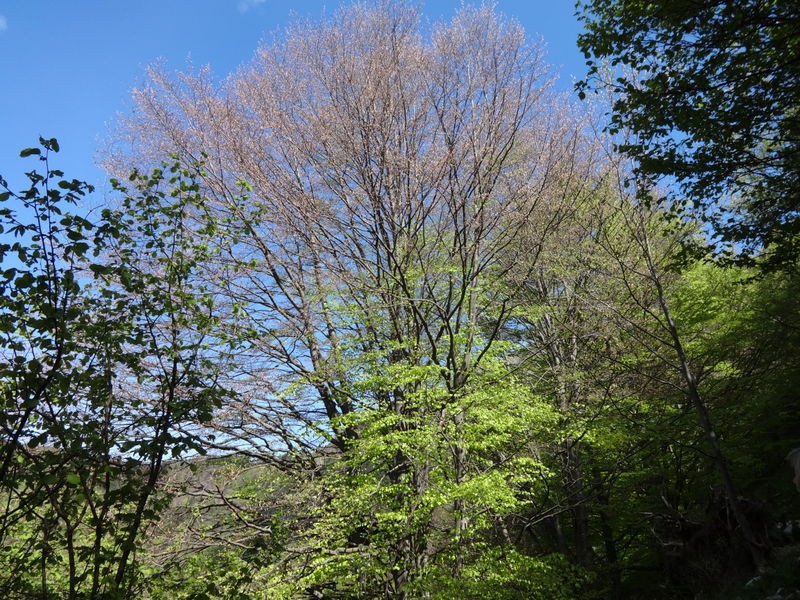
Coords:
67,66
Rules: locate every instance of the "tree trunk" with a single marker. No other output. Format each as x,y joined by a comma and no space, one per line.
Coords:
755,548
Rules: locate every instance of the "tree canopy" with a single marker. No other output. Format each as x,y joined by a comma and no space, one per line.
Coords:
377,316
706,94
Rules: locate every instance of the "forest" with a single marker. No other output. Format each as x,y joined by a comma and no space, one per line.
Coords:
384,315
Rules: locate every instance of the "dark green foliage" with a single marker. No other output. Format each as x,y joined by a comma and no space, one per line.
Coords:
100,377
40,251
707,95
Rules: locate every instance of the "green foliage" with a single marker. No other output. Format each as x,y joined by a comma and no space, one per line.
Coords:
709,93
221,574
101,375
504,574
442,489
437,399
414,497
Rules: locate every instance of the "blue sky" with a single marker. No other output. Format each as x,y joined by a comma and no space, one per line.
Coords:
67,67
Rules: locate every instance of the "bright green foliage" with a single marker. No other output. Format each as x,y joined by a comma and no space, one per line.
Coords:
400,515
505,574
